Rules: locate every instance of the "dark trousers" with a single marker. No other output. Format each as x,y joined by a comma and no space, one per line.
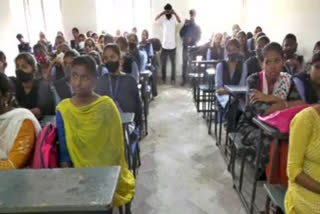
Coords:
184,63
164,55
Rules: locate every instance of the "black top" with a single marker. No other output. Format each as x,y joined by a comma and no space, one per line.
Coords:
135,54
190,34
217,53
24,47
127,95
127,64
253,65
309,91
63,88
74,45
235,80
40,96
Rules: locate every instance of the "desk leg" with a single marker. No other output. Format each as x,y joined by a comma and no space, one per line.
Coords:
256,173
274,158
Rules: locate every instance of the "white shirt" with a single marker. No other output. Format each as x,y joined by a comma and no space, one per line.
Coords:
169,32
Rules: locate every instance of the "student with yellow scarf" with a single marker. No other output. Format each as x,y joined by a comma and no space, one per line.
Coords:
90,130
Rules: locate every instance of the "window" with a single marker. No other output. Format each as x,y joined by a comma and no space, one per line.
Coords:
33,16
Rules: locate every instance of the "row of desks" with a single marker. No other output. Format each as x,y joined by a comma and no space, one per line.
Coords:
72,190
238,93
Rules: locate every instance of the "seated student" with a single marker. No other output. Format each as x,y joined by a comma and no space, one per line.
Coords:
293,62
59,41
100,44
19,129
129,65
269,91
89,45
75,42
82,40
254,63
23,46
303,194
108,38
95,37
59,33
43,40
101,69
32,94
41,54
244,51
120,87
252,41
216,51
316,47
139,56
62,87
230,72
308,83
3,66
90,131
146,45
3,62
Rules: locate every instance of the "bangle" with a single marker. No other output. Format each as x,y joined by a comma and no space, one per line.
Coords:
286,104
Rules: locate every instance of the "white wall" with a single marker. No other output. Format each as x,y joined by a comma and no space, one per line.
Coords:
80,14
279,17
8,42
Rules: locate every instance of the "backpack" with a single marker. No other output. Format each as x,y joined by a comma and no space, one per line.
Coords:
46,149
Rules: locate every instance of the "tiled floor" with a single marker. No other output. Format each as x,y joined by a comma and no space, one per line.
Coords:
182,170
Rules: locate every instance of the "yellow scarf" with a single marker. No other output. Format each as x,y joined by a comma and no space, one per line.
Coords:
94,138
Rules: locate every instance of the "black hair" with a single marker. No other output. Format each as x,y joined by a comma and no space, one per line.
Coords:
134,35
93,44
316,45
291,37
86,61
315,58
123,41
89,33
101,37
249,35
168,7
192,12
4,84
19,36
258,27
75,29
147,32
3,58
273,46
82,35
96,56
264,38
233,42
260,34
108,38
29,58
94,34
71,53
114,47
40,47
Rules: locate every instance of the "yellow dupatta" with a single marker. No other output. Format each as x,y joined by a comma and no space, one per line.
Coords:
94,137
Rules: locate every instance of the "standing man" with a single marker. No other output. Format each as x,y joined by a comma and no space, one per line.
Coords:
169,20
190,34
